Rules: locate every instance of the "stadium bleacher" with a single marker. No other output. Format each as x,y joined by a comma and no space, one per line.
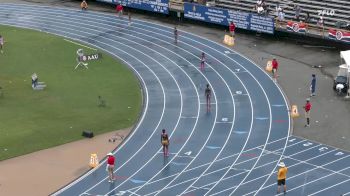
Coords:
334,12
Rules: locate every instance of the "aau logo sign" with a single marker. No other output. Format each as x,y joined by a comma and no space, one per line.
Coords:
91,57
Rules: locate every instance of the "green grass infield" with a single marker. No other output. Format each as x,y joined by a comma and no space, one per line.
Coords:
31,120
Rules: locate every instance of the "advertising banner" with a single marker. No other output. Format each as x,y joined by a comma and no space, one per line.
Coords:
339,35
297,27
220,16
160,6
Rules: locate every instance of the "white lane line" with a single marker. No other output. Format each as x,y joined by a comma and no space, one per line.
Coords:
289,190
158,81
61,27
79,44
301,173
228,167
301,161
328,187
244,170
274,173
224,158
254,78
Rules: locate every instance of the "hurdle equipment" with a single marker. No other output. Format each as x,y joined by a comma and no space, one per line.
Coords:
268,66
294,112
93,160
229,40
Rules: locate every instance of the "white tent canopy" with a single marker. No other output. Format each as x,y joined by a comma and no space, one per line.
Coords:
346,56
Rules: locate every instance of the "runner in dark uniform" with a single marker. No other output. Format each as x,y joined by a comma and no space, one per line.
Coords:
202,61
175,34
208,95
164,139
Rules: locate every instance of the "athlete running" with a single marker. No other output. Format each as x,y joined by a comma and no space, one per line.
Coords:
208,95
164,139
202,61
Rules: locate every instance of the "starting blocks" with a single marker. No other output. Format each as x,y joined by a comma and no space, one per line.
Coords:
93,160
294,112
229,40
269,66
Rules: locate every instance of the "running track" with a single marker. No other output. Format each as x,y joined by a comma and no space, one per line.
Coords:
233,150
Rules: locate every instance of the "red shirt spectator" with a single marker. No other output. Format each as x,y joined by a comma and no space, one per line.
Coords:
274,64
110,160
232,28
119,8
307,106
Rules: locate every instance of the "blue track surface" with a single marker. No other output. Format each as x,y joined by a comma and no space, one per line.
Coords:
233,150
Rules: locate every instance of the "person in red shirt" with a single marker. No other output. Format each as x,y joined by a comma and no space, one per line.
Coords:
110,167
274,69
232,28
307,109
119,9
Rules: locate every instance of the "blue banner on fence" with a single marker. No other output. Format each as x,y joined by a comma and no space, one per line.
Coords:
242,20
161,6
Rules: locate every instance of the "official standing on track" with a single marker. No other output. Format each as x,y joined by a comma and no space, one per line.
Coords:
208,96
307,108
164,139
110,167
281,177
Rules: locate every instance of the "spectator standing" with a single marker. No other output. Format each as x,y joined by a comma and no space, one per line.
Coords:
1,44
280,17
281,177
307,108
307,17
313,85
110,167
274,69
297,12
119,10
232,28
83,5
320,24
